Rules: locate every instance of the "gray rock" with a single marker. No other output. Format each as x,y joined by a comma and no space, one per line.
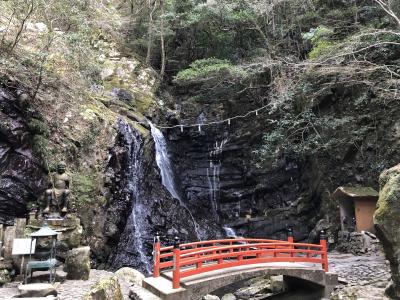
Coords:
132,276
277,284
211,297
229,297
77,263
37,290
105,289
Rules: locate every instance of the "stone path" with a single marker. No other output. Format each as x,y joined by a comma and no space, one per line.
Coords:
70,289
366,276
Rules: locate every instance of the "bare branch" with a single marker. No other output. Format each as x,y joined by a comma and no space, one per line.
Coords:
386,7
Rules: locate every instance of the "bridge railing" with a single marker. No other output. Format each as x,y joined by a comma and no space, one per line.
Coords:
195,258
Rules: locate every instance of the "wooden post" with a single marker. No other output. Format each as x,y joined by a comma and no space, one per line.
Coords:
324,249
176,271
156,256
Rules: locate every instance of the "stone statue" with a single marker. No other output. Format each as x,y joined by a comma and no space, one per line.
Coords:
57,195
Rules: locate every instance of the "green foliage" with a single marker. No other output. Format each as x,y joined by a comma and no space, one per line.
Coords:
320,39
317,34
322,48
303,134
204,69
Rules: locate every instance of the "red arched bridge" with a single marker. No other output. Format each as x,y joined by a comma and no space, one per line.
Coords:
191,270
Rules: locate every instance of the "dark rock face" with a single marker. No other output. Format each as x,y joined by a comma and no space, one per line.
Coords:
217,175
22,178
217,168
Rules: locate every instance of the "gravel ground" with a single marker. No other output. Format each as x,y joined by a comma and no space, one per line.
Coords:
70,289
361,277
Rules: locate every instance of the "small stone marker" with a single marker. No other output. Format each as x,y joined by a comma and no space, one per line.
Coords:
9,235
20,225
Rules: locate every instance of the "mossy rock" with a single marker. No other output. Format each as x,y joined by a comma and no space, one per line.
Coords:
105,289
387,223
5,277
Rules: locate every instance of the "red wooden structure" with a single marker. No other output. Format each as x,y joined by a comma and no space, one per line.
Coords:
199,257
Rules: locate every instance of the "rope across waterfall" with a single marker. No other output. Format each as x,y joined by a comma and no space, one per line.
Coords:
228,120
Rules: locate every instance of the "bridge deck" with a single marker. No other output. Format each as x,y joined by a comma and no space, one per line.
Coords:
234,270
162,285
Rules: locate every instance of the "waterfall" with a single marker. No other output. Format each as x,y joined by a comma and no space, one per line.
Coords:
131,249
230,232
167,174
213,173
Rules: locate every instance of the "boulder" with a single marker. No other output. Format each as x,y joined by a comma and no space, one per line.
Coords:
228,297
105,289
131,276
387,224
36,290
254,287
77,263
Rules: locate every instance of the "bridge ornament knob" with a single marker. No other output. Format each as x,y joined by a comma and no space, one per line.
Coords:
176,242
290,231
322,235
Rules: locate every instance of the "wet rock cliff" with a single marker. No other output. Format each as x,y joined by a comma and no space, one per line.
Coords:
22,176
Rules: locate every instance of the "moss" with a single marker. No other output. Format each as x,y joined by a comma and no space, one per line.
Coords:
105,289
84,188
36,126
144,102
322,48
40,146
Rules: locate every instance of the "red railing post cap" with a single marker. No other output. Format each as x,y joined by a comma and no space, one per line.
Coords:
176,242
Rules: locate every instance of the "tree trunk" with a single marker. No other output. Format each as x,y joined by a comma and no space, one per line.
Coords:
162,71
150,30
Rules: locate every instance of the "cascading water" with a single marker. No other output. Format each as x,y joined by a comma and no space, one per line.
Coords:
167,174
230,232
131,248
213,173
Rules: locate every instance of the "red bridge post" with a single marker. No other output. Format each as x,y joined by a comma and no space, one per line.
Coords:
176,270
290,235
290,240
324,249
156,256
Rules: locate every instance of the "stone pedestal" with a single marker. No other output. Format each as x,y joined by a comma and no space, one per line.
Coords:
69,229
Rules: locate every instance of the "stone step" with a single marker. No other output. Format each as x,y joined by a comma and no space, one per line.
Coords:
162,287
139,293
